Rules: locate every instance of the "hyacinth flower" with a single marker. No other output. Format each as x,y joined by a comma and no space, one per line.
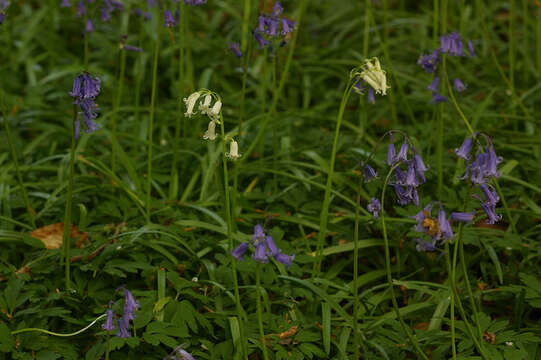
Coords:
373,75
462,216
374,207
264,249
81,9
471,49
233,153
429,62
168,20
235,47
369,173
436,229
89,26
273,26
451,44
85,89
109,6
109,324
459,85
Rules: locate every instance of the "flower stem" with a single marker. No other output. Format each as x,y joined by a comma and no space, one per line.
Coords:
388,270
259,311
66,243
151,124
116,105
326,199
85,19
15,332
451,270
31,211
173,186
108,345
227,206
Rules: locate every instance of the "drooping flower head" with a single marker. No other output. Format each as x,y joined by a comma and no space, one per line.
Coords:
430,61
85,89
233,153
372,73
264,249
451,44
374,207
130,305
272,26
123,331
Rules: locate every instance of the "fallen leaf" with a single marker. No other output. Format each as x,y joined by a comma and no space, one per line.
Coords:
51,235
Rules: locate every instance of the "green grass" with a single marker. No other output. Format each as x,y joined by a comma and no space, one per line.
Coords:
358,288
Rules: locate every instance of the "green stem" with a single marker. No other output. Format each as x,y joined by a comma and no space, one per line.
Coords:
15,332
66,243
388,270
259,312
275,145
85,19
151,124
505,207
116,105
173,186
227,206
511,43
451,271
435,22
326,199
16,164
283,79
355,274
366,32
108,345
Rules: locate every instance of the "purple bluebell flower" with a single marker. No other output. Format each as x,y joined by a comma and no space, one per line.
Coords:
235,47
429,62
85,89
445,227
65,3
277,9
451,44
261,41
259,235
272,26
462,216
168,19
81,9
109,324
91,86
238,252
425,245
147,16
490,210
374,207
130,305
369,173
434,84
420,166
151,3
420,218
195,2
403,153
490,193
287,26
261,24
391,154
470,49
89,26
185,355
459,85
271,246
370,96
260,254
492,162
402,195
122,328
399,176
464,150
411,177
2,17
284,259
437,98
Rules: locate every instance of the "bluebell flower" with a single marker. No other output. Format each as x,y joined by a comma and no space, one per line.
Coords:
130,48
462,216
89,26
470,49
434,84
430,61
490,193
259,235
261,41
451,44
464,150
122,328
195,2
260,254
420,166
235,47
84,91
287,26
490,210
374,207
402,195
277,9
445,227
369,173
81,9
370,96
284,259
109,324
238,252
391,154
420,218
2,17
459,85
437,98
271,246
168,19
130,305
411,177
403,153
65,3
261,24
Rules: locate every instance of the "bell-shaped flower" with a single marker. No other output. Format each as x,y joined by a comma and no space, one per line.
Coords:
374,207
109,324
233,153
284,259
238,252
190,103
369,173
214,112
462,216
374,76
210,134
464,150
